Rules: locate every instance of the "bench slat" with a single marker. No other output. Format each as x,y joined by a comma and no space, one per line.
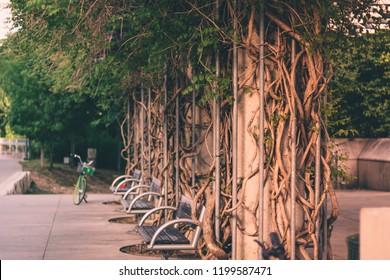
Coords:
176,236
143,205
170,235
138,205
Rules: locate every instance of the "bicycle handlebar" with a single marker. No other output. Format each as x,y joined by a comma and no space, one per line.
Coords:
78,157
80,160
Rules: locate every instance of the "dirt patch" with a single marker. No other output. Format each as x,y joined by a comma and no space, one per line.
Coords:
61,180
44,184
113,202
123,220
139,250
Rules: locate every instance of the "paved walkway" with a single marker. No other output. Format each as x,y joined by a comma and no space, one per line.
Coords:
347,224
35,227
51,227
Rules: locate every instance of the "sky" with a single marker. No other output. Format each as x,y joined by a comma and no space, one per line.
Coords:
4,14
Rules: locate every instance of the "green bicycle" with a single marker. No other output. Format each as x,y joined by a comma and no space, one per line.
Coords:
80,189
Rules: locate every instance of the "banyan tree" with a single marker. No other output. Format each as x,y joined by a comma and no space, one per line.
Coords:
224,101
235,120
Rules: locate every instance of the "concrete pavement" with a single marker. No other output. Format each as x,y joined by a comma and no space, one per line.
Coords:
36,227
347,224
51,227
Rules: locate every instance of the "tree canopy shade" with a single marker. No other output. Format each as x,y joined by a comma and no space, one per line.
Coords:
217,100
35,111
360,86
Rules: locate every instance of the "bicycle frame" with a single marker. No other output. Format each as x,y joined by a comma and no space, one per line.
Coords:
80,189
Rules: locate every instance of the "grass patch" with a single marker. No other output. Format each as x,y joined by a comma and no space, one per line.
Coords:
63,175
61,178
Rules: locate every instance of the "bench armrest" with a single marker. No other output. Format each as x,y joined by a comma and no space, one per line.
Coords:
147,214
113,185
120,178
134,200
124,182
134,188
167,224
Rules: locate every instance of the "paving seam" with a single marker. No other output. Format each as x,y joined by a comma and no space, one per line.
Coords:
51,228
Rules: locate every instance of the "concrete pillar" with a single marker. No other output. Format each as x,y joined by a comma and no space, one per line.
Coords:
374,233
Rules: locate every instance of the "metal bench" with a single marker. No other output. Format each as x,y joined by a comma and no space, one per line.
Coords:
168,237
145,201
123,183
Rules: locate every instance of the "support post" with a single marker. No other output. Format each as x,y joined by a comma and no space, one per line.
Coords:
128,134
293,161
193,140
149,130
260,214
234,136
165,139
317,190
216,130
177,124
135,129
142,116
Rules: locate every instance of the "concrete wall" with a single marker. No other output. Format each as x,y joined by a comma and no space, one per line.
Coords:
368,161
18,183
374,175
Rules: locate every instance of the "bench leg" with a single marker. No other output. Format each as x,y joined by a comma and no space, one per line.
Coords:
142,248
166,254
139,216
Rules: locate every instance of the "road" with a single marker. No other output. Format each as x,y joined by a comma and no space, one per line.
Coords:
8,166
10,172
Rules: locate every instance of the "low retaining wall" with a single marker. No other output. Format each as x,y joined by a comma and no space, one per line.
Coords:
368,162
18,183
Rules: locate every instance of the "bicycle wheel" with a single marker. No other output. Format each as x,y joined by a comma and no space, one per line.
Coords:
79,190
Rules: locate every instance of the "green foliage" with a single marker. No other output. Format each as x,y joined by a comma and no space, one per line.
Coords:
360,86
35,111
210,85
79,60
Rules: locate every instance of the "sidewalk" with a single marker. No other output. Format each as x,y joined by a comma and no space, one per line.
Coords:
51,227
36,227
350,203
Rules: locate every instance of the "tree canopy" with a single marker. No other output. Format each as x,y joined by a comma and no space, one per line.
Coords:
360,86
35,111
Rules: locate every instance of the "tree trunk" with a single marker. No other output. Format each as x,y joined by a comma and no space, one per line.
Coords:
51,159
42,155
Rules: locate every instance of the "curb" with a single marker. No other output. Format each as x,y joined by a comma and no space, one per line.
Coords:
17,183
